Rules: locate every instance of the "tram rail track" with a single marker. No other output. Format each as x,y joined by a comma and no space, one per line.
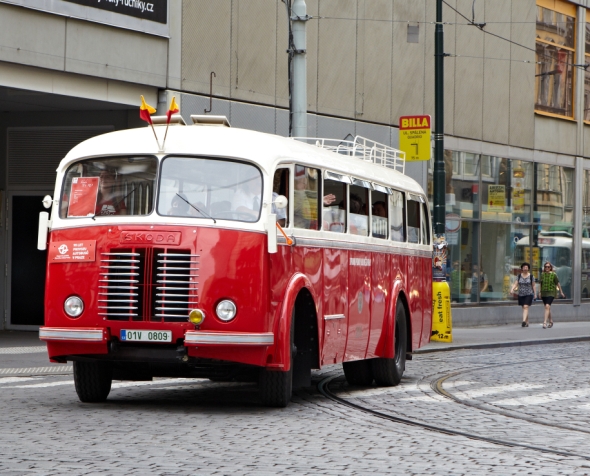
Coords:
324,389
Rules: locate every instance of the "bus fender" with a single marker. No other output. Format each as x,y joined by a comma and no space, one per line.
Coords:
386,345
282,329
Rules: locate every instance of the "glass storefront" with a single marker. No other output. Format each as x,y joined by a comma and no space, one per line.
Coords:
499,213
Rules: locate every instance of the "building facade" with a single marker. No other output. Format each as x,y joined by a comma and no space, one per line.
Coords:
517,113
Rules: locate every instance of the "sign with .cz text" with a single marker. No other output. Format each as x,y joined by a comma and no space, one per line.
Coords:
72,251
414,137
152,10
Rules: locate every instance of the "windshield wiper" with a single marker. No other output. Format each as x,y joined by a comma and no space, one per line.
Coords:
206,215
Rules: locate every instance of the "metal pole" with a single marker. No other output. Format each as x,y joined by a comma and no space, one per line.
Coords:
299,98
438,178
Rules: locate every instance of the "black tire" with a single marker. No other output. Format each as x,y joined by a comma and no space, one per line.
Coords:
389,372
93,381
276,387
358,372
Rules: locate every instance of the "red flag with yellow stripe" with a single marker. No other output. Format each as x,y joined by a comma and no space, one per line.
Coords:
173,110
145,111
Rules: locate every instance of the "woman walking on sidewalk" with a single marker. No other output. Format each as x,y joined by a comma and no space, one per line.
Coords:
525,282
549,286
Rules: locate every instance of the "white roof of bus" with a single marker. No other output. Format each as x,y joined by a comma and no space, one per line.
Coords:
264,149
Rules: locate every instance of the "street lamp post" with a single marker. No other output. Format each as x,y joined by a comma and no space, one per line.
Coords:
438,178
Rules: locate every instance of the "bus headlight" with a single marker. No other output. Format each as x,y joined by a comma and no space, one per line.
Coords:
74,306
226,310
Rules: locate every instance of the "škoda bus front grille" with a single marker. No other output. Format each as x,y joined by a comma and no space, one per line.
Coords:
176,274
157,285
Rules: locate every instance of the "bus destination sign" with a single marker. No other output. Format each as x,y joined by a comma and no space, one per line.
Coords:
414,137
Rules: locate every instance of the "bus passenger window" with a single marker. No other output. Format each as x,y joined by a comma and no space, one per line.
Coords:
305,198
397,216
358,209
280,186
413,221
379,214
334,216
425,225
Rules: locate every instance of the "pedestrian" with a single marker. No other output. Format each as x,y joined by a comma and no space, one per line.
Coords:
549,286
525,282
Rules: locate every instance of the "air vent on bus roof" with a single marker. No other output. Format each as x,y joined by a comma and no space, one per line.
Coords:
175,120
206,120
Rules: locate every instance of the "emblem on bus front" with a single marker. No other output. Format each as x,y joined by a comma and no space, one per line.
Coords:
164,238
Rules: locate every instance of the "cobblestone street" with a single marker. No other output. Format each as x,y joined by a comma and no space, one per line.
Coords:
536,397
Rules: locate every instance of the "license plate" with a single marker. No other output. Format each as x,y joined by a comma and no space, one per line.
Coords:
146,336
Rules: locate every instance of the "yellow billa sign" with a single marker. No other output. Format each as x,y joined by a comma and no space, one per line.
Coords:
414,137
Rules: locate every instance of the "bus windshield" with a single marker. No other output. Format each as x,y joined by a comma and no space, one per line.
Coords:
210,188
109,186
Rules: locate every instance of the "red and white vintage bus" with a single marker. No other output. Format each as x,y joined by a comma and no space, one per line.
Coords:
170,262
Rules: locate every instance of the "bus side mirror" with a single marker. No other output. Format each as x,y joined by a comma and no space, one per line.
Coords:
281,202
43,228
47,201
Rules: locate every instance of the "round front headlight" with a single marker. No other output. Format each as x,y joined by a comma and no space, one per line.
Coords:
74,306
226,310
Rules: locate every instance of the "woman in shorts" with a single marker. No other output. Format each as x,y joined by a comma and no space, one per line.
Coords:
549,286
525,282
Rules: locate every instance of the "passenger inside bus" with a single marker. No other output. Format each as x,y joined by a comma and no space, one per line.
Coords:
280,186
305,202
359,220
379,216
179,206
109,201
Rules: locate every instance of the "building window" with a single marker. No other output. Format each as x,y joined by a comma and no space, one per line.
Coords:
555,45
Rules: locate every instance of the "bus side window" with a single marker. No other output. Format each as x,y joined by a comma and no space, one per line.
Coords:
413,208
280,186
397,216
305,198
358,213
425,225
379,214
334,215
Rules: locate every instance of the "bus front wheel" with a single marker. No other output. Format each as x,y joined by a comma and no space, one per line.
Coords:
389,372
93,381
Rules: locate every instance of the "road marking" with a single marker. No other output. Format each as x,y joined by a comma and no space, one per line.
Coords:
4,380
38,349
544,398
57,369
515,387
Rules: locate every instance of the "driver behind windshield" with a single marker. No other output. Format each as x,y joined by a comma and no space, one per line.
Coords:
108,201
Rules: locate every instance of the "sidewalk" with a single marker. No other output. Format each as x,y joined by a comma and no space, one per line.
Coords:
511,335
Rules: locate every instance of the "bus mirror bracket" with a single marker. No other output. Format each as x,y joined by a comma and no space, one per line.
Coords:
43,229
271,225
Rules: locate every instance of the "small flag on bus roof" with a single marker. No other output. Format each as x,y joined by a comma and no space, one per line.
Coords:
173,110
145,111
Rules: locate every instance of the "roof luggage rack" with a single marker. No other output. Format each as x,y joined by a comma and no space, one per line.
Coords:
364,149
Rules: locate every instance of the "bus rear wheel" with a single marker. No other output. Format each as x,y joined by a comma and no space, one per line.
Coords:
389,372
93,381
358,372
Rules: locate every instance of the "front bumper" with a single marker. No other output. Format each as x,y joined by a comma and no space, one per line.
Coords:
191,338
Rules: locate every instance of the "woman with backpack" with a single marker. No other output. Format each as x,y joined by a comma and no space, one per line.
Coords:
549,286
525,282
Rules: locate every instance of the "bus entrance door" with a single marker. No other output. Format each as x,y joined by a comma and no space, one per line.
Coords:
335,302
359,305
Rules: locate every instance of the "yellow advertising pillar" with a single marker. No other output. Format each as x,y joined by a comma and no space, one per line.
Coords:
442,322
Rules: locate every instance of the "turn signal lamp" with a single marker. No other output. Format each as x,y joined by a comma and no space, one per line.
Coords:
196,317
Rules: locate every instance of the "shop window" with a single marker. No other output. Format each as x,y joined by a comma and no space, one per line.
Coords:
555,54
305,197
